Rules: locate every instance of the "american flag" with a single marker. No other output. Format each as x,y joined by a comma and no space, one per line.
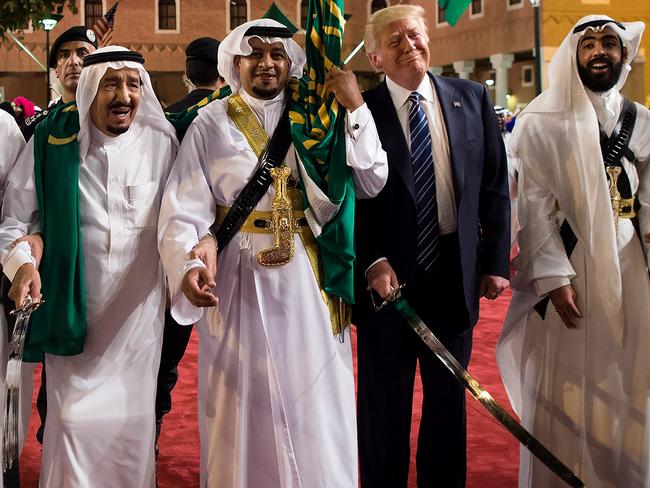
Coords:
110,14
103,27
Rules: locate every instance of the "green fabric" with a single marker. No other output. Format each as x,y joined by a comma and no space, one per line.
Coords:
58,326
454,9
275,13
318,132
182,120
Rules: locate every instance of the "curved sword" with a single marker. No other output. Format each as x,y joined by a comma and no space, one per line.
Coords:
478,392
10,451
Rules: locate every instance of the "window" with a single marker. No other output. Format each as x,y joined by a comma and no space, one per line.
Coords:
237,13
93,11
167,14
513,4
377,5
440,15
476,9
304,13
527,76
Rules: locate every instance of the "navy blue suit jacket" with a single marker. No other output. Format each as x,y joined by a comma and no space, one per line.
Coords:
386,225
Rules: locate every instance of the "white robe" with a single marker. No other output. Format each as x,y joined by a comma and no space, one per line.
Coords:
276,387
585,392
11,146
99,430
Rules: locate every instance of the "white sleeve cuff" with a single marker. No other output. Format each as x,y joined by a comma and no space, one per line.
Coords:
181,309
14,258
356,121
373,263
544,286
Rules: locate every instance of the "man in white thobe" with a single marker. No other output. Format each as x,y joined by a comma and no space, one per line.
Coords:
100,424
12,145
580,377
276,387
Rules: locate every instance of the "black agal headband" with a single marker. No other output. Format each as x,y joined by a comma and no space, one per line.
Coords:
268,31
596,23
110,56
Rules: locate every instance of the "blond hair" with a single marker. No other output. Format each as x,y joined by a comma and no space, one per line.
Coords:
381,19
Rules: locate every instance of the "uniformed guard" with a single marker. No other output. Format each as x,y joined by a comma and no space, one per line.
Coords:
66,58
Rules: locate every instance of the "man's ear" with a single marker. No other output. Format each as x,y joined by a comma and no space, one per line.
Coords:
375,60
236,61
624,54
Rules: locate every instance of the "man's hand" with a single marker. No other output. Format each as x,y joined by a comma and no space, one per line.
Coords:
206,251
343,84
26,282
35,242
564,301
491,286
381,277
197,285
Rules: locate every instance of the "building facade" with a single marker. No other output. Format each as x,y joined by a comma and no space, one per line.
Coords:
492,43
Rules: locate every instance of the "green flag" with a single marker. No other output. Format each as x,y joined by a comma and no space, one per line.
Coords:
317,128
454,9
275,13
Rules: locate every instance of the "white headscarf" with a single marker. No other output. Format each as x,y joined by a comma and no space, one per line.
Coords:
574,165
565,87
149,112
236,44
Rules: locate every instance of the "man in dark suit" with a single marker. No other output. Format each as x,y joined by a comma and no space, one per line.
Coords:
201,72
441,225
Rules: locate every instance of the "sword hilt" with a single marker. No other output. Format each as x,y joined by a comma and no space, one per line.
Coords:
394,295
28,306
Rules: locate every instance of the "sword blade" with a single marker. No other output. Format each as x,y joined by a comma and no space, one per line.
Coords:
13,375
353,53
484,397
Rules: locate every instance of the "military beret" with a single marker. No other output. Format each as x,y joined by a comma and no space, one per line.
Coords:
204,49
76,33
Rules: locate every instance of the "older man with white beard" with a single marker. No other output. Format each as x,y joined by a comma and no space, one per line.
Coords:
575,350
276,386
92,178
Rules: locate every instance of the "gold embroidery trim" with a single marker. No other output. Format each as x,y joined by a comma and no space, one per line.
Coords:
55,141
246,121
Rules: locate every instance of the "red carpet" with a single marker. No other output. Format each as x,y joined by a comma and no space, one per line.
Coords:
492,454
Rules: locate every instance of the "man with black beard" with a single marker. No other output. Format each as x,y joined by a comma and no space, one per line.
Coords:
574,353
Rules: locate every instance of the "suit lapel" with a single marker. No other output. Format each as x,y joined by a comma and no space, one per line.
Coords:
392,139
452,112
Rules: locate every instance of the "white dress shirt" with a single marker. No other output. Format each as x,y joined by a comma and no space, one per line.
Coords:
439,143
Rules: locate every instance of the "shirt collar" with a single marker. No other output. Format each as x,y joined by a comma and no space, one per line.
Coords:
400,95
261,104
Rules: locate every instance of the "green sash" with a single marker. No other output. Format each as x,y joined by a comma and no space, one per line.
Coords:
182,120
59,325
